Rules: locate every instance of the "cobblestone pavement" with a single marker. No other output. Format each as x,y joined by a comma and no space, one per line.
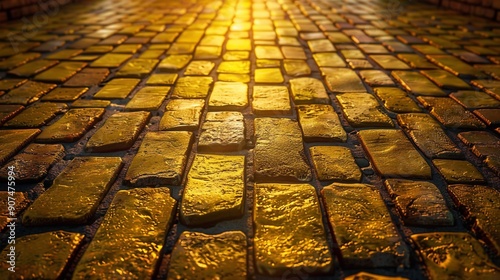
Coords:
239,139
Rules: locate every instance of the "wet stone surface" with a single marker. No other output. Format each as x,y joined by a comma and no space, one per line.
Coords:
197,139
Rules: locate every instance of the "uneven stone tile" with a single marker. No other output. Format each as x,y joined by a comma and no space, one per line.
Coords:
454,255
18,60
428,135
320,123
6,214
222,132
268,63
370,276
198,255
373,48
161,159
296,68
268,75
417,84
192,87
182,114
471,99
208,52
335,163
117,89
363,227
33,67
450,113
236,55
174,63
290,52
458,171
322,45
12,140
42,255
161,79
489,116
63,94
148,98
479,204
228,96
287,222
342,80
90,103
445,79
111,60
119,132
33,163
64,54
456,66
86,180
137,68
239,78
389,62
9,111
359,64
419,203
147,214
396,100
279,156
271,100
428,49
363,110
127,48
26,94
393,155
199,68
417,61
71,126
376,78
61,72
268,52
308,90
8,84
37,115
472,138
328,60
214,191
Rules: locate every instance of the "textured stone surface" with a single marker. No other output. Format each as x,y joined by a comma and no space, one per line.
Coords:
363,227
161,159
454,255
202,256
279,156
228,96
36,115
308,90
479,204
458,171
32,164
370,276
289,232
396,100
428,135
320,123
450,113
71,126
214,190
335,163
86,180
419,203
393,154
222,132
119,132
182,114
271,100
117,89
192,87
11,141
42,255
342,80
148,98
27,93
417,84
363,110
131,236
